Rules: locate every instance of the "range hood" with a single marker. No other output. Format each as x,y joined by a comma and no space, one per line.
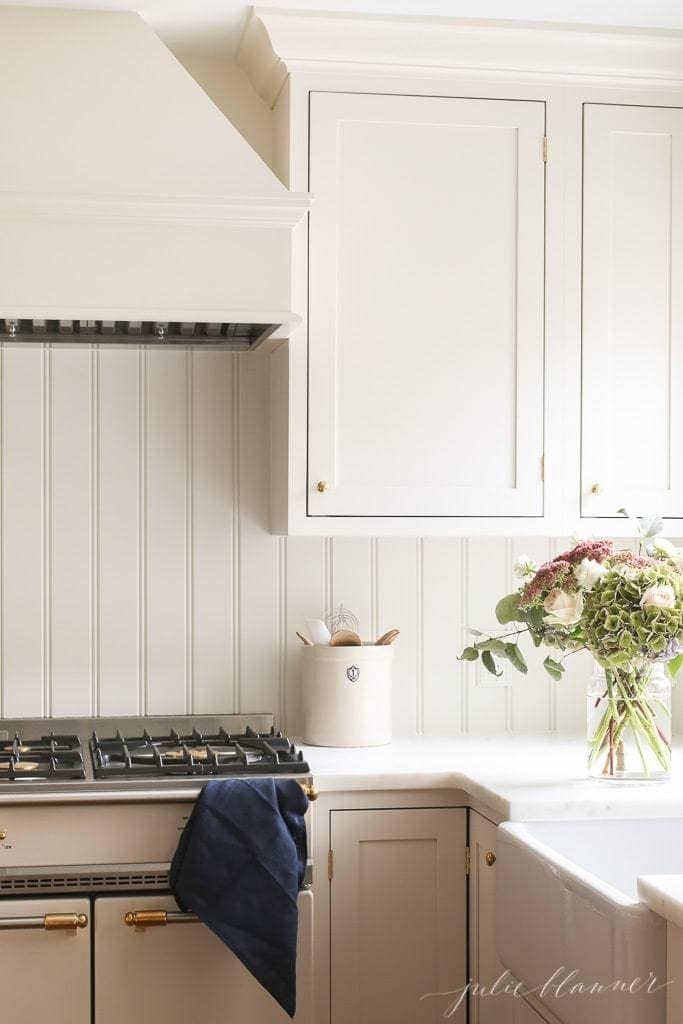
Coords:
131,210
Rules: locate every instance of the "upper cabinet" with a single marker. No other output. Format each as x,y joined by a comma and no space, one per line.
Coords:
426,257
490,275
632,416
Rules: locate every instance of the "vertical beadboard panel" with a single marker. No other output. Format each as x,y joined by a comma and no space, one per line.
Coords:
260,680
73,495
397,606
24,511
166,538
212,531
443,615
352,579
489,577
121,461
532,694
305,583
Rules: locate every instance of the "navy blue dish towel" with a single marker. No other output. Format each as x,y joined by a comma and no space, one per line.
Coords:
239,866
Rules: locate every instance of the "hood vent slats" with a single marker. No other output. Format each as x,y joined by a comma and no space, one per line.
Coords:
237,337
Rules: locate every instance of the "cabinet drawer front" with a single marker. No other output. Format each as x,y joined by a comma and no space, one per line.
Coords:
178,973
45,973
632,334
426,306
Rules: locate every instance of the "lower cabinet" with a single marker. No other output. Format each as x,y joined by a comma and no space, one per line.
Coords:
181,973
45,969
398,915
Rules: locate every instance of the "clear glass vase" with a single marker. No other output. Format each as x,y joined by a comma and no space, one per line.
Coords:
629,722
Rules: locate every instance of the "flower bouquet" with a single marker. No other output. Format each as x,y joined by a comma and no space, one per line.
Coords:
626,608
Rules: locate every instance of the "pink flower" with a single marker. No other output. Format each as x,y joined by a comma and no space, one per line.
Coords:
629,558
550,576
594,550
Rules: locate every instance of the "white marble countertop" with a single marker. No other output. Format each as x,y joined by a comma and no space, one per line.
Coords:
518,777
664,895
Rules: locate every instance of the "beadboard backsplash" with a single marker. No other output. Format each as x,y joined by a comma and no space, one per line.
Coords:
138,576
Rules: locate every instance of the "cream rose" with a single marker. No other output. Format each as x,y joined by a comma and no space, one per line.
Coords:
660,596
588,572
563,609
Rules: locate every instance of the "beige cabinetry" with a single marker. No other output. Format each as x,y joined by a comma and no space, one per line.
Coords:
397,914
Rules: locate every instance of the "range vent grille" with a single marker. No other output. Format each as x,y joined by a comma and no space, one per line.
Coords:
236,337
85,882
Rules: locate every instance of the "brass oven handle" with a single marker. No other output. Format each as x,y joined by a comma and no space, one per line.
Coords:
49,922
155,918
310,790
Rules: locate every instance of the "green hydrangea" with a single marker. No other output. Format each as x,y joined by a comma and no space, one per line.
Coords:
617,629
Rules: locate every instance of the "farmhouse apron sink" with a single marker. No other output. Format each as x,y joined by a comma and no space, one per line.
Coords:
567,901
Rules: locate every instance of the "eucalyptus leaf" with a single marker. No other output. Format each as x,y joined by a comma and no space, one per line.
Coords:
516,657
474,632
469,654
507,609
493,645
554,668
489,664
650,526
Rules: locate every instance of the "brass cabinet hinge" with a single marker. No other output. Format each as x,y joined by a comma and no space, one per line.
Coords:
330,864
546,142
468,860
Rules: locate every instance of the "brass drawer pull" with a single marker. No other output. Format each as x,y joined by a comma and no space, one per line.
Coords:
49,923
156,918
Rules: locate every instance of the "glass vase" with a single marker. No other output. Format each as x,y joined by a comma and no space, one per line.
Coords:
629,722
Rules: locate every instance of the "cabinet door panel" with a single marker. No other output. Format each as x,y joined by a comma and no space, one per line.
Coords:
632,424
398,906
45,975
426,306
183,973
485,967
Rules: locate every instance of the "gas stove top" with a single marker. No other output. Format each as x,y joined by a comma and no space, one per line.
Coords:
143,752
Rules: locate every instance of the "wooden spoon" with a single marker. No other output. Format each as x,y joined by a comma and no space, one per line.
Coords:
387,638
345,638
304,640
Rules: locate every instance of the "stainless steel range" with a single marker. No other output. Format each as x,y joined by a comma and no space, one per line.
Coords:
90,815
143,752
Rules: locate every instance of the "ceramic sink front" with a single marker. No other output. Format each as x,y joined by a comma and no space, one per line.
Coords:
567,907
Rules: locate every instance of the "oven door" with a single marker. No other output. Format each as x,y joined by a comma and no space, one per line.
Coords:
179,971
45,959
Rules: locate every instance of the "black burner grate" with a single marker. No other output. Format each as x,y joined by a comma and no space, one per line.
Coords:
51,757
196,753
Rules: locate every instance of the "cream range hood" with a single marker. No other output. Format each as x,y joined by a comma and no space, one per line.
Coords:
131,210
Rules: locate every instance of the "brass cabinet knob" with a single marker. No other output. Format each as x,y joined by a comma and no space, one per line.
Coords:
596,489
322,486
310,790
3,835
490,858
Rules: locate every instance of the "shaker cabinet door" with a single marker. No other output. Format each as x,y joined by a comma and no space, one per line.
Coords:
632,338
426,306
45,970
398,916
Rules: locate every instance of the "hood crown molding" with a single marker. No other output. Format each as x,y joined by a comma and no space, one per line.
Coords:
278,42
